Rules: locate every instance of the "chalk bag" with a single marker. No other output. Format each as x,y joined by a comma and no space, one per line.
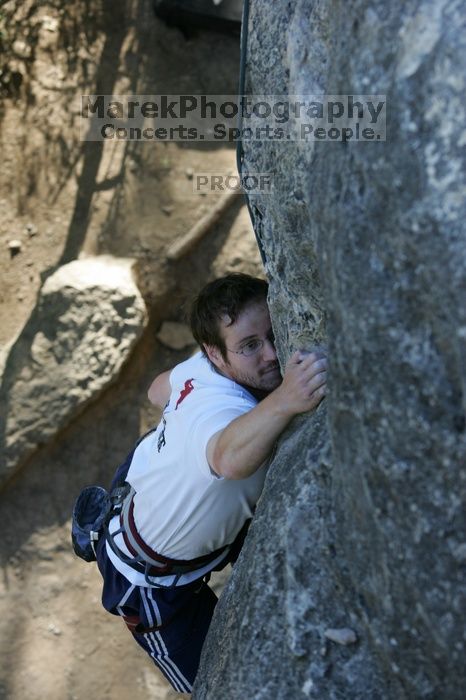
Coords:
90,512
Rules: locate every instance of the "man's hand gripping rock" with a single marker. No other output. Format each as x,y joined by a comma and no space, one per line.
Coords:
304,382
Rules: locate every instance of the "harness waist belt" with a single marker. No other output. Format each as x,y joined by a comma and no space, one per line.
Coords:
145,555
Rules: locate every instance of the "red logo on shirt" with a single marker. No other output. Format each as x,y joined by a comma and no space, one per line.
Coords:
188,387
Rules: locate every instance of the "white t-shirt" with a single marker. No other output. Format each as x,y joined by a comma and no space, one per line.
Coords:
181,508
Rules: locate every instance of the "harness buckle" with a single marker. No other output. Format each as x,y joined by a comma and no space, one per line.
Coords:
117,498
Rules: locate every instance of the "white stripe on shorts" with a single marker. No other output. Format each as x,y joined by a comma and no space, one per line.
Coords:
158,644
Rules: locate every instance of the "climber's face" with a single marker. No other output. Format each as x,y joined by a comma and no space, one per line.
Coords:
251,359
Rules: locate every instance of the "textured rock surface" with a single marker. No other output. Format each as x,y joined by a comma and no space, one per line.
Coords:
362,521
88,317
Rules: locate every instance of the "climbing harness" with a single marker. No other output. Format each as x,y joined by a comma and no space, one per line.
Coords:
92,513
144,558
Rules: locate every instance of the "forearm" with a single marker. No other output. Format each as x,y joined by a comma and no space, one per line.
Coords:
245,444
240,449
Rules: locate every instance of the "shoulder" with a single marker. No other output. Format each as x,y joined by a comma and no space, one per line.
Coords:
196,363
198,369
161,388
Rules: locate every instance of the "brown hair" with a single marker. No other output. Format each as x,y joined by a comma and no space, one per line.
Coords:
226,296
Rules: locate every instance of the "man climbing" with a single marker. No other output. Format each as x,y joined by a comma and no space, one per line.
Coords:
194,481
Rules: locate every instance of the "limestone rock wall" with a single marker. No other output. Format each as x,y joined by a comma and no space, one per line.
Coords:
361,526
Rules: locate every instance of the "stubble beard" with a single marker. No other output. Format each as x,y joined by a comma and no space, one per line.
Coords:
265,382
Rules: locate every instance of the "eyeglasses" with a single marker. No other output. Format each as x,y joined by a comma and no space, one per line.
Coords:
253,346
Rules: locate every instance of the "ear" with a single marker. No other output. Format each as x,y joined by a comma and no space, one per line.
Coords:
214,355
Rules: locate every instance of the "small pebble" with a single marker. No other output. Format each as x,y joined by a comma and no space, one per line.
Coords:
189,172
168,210
344,635
14,247
31,230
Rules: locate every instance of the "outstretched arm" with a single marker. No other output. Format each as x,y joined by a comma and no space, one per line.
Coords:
238,450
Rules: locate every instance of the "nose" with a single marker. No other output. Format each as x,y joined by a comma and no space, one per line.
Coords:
269,354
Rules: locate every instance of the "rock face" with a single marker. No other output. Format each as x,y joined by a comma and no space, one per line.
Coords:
360,531
88,317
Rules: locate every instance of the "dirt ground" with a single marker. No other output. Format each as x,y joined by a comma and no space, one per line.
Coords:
61,198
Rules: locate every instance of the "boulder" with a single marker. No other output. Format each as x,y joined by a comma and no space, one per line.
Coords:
89,315
361,525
